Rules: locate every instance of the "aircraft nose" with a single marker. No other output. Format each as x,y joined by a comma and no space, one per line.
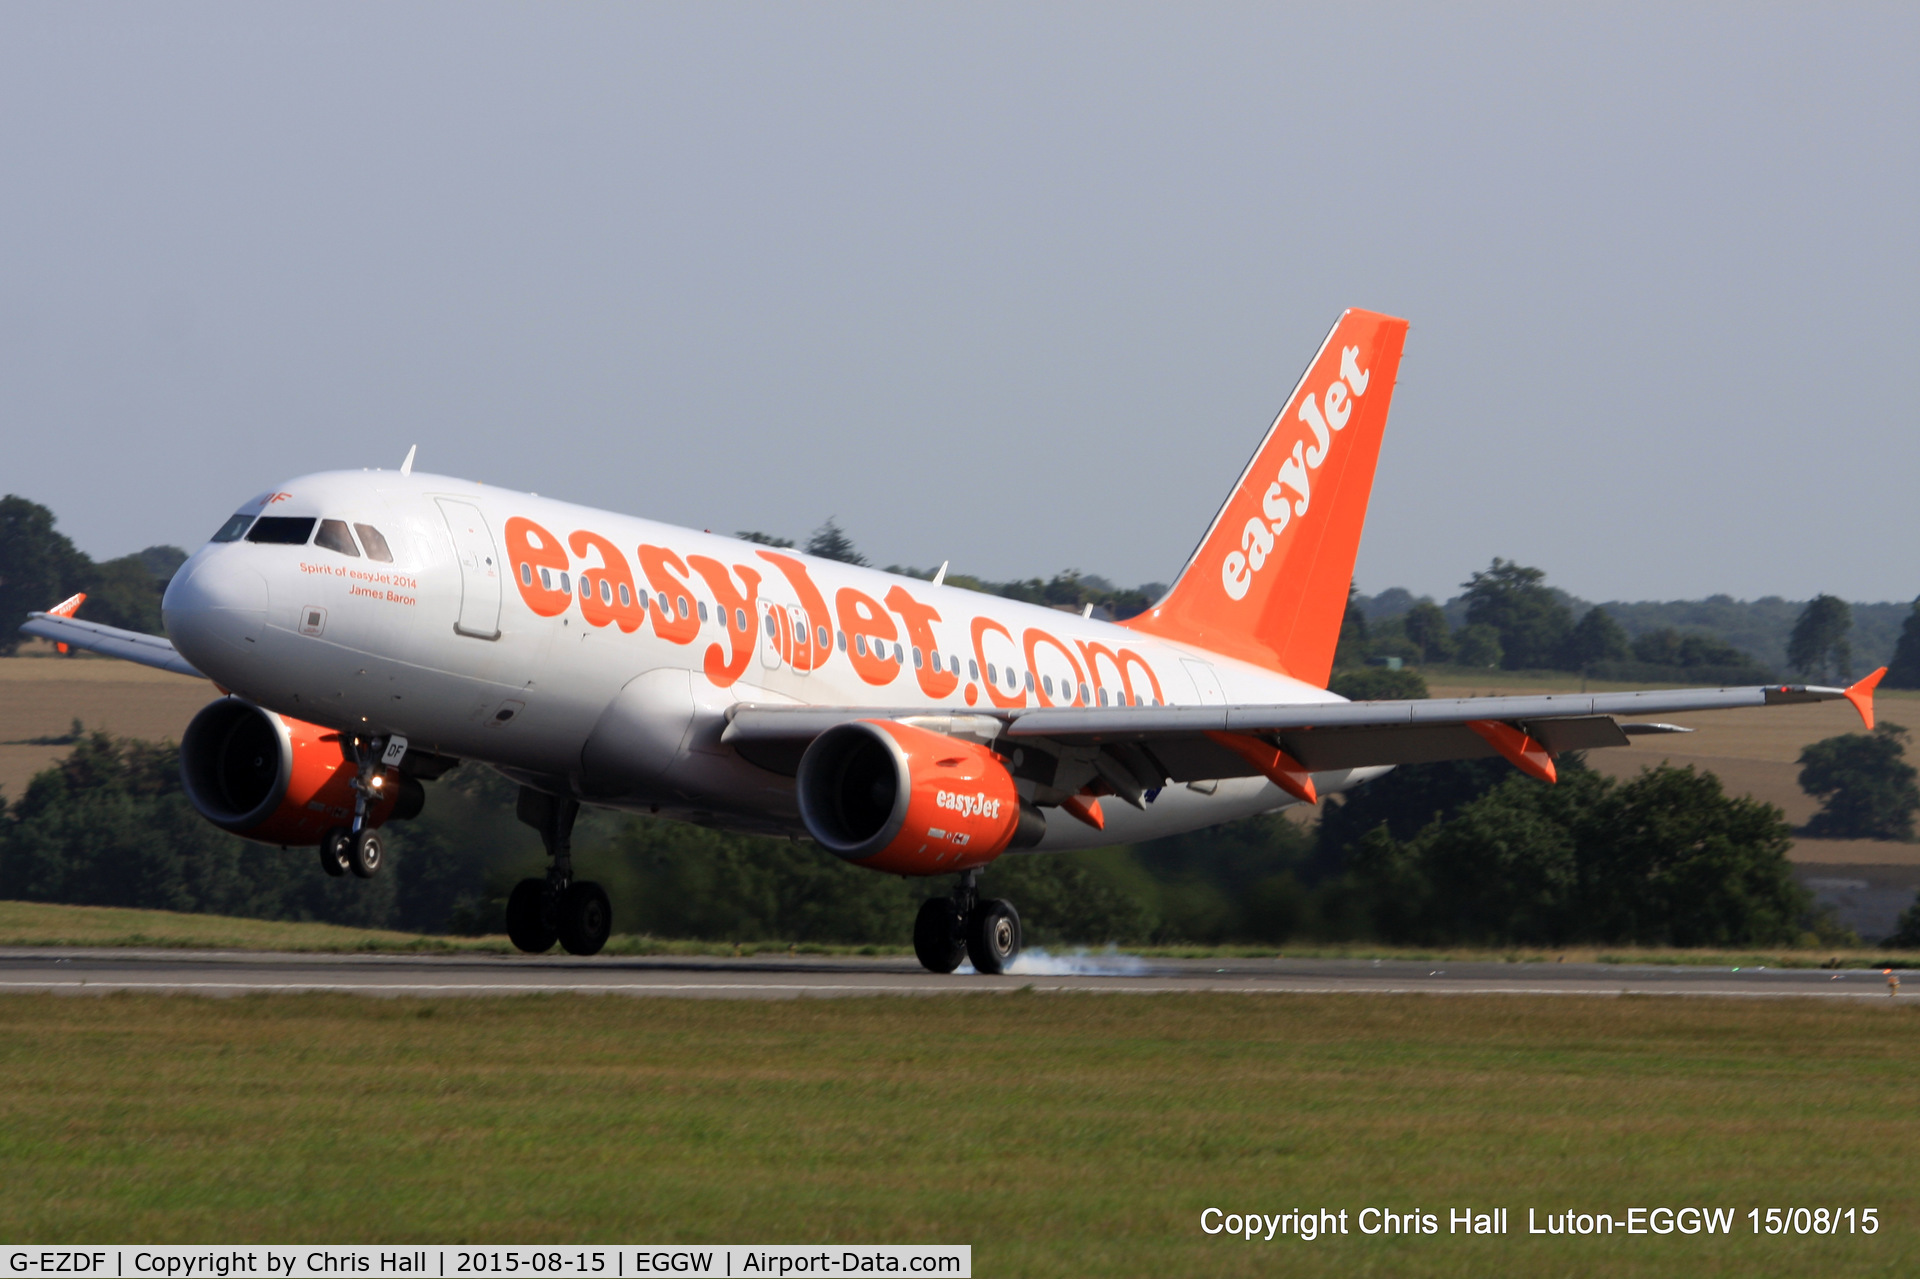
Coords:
214,614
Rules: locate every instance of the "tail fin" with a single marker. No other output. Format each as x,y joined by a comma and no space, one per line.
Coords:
1269,581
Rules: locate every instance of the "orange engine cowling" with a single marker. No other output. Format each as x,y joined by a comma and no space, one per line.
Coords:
277,780
897,798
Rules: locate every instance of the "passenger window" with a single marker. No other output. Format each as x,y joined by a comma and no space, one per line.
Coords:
1086,698
822,637
1103,697
860,645
1029,681
546,580
843,641
234,529
993,673
526,573
586,588
334,536
1046,682
956,666
566,584
703,611
282,530
376,545
626,596
935,659
899,658
917,661
973,669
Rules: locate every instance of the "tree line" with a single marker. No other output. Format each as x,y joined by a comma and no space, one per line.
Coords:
1466,852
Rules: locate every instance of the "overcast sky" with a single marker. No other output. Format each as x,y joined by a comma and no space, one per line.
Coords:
1015,286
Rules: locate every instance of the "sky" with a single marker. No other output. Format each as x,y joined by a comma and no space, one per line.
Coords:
1015,286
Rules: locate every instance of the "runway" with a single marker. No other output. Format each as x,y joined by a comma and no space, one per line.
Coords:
77,971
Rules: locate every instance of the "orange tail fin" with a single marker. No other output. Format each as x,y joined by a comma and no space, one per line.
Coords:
1269,581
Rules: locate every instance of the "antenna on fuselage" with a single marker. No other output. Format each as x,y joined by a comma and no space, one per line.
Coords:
941,576
406,467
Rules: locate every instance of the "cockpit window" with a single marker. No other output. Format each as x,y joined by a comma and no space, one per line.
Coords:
282,530
334,536
232,530
376,545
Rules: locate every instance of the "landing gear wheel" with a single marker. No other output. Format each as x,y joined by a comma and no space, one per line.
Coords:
364,854
333,851
993,935
937,939
529,924
584,918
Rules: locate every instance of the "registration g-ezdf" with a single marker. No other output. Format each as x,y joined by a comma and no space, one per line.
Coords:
57,1263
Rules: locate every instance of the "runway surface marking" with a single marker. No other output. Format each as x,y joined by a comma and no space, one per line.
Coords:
97,971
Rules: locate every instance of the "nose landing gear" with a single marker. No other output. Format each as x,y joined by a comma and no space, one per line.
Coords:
540,912
966,926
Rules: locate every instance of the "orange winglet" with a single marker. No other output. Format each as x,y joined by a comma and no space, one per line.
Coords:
1861,695
68,606
1087,809
1278,767
1520,750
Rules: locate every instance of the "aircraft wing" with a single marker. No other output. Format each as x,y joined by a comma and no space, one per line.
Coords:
1161,744
109,641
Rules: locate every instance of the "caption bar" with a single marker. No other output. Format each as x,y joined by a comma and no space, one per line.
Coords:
447,1261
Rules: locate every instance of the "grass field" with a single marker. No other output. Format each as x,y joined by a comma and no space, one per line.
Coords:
1060,1135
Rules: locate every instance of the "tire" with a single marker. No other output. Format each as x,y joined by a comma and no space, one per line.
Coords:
936,938
333,851
365,853
993,936
529,921
583,918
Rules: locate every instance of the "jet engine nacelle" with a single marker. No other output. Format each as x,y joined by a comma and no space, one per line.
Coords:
277,780
897,798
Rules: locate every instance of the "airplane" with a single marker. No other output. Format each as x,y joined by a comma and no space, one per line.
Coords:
371,629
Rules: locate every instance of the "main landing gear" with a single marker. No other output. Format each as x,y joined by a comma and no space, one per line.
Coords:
540,912
966,926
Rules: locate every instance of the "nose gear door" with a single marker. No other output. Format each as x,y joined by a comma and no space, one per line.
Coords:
479,560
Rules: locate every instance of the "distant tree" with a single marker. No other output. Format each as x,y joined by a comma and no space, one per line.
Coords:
162,561
1906,932
1904,670
1667,858
1818,646
1595,638
1353,623
1532,623
1477,645
1425,626
124,593
830,542
1378,684
764,539
1864,783
39,567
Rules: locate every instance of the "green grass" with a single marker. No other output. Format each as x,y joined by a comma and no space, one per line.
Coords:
1059,1134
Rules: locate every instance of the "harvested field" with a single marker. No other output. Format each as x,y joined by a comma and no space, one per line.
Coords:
41,695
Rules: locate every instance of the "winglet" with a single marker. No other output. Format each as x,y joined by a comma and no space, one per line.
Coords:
1520,750
71,605
1861,695
406,467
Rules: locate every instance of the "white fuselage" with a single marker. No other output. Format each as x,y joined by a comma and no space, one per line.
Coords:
623,702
